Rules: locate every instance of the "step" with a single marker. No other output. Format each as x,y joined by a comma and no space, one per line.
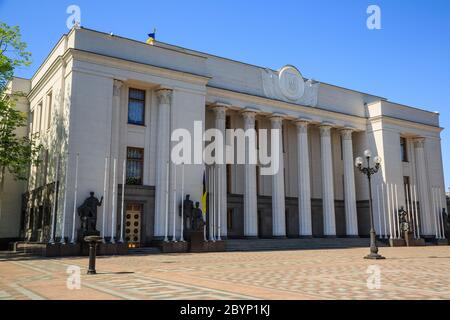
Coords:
293,244
144,250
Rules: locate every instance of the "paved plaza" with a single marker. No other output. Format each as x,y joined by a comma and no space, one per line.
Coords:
407,273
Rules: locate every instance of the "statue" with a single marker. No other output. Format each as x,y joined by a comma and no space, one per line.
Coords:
188,207
403,220
197,220
88,213
446,219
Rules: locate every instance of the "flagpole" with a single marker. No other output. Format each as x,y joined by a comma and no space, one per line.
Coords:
104,200
55,193
174,237
219,208
388,198
166,228
122,200
379,211
63,227
113,212
210,200
75,200
396,213
442,206
415,209
182,204
215,203
384,210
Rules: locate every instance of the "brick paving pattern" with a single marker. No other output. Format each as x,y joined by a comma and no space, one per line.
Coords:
407,273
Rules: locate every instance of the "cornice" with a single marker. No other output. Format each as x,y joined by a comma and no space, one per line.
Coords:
252,99
405,123
110,61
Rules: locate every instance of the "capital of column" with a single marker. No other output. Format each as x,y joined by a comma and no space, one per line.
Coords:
302,125
325,129
164,96
116,87
346,133
277,121
249,118
419,142
220,111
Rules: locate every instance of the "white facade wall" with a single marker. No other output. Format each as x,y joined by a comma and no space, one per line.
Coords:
91,119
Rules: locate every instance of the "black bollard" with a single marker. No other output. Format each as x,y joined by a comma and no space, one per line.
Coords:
92,240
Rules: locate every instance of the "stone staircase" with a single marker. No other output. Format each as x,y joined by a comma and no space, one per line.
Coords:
144,251
298,244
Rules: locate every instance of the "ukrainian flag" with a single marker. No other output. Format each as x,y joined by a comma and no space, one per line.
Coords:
204,197
151,37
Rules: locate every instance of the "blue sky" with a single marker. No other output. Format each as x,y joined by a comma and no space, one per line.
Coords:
407,61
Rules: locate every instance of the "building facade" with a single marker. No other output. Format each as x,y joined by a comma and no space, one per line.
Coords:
105,108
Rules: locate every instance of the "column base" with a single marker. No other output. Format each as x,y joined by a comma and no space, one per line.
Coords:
374,256
279,237
352,237
330,236
305,237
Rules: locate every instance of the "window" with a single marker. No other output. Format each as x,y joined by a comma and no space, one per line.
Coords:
136,107
135,165
41,111
49,109
404,149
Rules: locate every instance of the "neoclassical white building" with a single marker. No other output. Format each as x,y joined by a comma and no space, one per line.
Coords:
108,100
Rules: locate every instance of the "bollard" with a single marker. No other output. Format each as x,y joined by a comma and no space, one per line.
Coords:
92,240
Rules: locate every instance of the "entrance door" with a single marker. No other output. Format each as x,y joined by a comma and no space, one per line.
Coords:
133,225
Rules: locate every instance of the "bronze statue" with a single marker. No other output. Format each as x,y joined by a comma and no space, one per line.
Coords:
188,207
446,223
88,213
197,222
403,220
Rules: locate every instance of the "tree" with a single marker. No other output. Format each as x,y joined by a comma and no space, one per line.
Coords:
17,153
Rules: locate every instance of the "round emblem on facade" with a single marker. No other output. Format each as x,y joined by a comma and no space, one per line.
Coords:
291,82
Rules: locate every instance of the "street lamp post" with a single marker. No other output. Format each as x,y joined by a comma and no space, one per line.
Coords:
369,171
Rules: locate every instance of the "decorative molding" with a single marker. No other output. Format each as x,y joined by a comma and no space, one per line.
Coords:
164,96
249,118
419,142
287,84
116,87
325,130
220,112
302,126
347,133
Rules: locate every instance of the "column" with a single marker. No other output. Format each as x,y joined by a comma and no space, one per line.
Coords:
220,113
164,97
278,196
304,182
250,199
329,220
423,188
351,217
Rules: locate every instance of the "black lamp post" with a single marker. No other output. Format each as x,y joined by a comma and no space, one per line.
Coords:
369,171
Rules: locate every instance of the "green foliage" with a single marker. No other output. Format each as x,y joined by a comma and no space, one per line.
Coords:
17,153
13,53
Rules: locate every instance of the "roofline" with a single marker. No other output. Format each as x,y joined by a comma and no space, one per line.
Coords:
168,46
